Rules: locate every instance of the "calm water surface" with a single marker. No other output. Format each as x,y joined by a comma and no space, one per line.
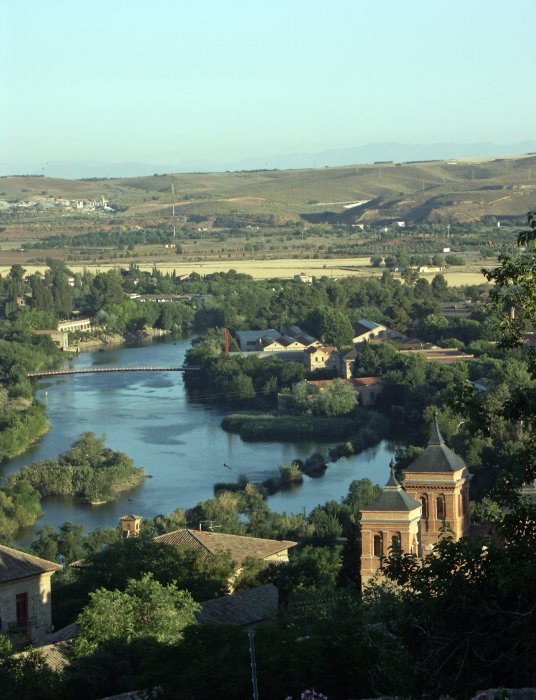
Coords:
179,442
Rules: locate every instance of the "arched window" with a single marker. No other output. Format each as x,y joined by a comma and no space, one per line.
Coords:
440,507
378,545
396,542
424,502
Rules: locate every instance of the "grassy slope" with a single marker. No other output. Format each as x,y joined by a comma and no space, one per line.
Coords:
417,191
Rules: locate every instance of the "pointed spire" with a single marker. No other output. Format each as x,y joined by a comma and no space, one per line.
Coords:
392,478
435,436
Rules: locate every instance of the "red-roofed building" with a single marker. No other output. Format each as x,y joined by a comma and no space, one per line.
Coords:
368,388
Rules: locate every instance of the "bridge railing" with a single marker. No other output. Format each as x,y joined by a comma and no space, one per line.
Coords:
97,370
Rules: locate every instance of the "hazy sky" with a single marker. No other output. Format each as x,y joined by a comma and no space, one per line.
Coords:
168,81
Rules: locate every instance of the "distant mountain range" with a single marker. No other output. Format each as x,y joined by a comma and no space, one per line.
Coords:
398,152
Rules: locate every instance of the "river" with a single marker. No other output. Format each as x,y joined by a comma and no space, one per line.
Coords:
179,442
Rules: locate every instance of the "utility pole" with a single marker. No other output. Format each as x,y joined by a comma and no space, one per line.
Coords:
251,635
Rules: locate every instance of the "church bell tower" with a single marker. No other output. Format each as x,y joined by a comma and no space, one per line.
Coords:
439,480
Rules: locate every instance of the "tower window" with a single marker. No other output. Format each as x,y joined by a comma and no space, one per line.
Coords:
396,542
378,545
440,507
424,502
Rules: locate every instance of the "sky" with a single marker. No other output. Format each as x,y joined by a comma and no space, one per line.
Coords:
171,82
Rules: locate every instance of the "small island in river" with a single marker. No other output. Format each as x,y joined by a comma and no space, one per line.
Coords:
88,471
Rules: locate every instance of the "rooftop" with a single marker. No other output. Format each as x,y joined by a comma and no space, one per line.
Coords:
212,543
437,457
15,565
393,497
246,608
321,348
368,325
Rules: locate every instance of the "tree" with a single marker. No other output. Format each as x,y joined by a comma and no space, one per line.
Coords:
331,325
146,608
106,288
337,399
376,261
433,327
214,663
515,288
422,288
439,287
26,676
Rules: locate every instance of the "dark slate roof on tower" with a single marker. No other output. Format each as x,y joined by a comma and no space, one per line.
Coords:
437,457
393,497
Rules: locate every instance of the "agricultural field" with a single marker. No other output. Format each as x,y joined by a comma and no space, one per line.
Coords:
283,269
273,223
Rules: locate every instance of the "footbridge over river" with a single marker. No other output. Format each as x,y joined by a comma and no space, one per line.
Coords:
99,370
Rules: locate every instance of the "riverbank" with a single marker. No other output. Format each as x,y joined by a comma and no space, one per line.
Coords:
365,430
262,427
177,439
21,430
114,340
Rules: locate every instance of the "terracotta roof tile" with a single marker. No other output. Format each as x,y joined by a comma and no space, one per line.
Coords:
212,543
15,565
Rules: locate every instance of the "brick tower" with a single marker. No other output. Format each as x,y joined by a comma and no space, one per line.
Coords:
439,480
391,520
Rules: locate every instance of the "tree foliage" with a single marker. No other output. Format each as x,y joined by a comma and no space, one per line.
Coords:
145,608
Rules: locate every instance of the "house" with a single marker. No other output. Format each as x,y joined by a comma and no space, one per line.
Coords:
302,277
481,385
348,363
25,601
322,357
435,492
246,609
457,309
60,338
365,330
433,353
302,337
368,388
249,340
282,344
75,325
239,546
56,651
130,525
270,340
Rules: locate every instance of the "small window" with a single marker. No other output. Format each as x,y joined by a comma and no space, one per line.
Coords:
378,545
396,542
440,506
424,503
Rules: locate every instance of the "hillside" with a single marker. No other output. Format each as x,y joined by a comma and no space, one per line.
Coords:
461,191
